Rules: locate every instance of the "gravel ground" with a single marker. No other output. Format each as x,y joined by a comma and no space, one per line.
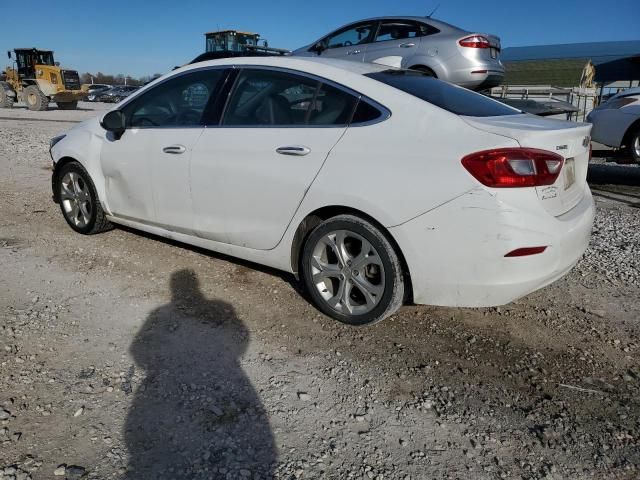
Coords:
126,356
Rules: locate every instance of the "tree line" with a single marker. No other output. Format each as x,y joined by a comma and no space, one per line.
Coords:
118,79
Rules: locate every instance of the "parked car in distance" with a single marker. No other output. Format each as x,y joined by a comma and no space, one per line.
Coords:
616,123
95,90
456,200
97,86
116,94
468,59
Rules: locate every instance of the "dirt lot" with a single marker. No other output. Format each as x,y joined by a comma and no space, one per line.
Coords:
125,356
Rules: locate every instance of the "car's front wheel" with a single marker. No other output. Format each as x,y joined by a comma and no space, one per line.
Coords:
79,201
352,271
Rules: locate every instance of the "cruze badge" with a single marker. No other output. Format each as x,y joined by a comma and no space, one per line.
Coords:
562,147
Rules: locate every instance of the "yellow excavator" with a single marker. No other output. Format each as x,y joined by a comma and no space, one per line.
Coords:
36,79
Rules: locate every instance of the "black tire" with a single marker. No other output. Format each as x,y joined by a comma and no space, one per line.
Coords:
393,288
6,101
97,219
425,70
633,144
67,105
35,99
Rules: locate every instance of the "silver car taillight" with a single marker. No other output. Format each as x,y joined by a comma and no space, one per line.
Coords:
475,41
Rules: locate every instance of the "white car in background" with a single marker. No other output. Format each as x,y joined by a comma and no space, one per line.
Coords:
616,123
376,185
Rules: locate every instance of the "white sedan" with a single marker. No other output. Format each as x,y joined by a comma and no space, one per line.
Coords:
377,186
616,122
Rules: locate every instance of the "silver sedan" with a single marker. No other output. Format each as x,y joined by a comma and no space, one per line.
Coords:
443,51
616,122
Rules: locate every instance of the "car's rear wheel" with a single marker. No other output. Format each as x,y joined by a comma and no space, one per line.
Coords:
79,201
633,145
352,271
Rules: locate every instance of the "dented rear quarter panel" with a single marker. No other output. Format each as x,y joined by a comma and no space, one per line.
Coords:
415,157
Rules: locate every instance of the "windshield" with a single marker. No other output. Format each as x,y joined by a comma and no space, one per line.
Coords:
29,58
449,97
44,58
230,41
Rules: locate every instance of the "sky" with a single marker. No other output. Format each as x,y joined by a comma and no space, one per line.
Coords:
137,38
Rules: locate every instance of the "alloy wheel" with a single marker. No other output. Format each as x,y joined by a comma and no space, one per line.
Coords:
348,272
76,199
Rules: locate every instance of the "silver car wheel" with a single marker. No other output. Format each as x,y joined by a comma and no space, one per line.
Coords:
636,146
348,272
76,199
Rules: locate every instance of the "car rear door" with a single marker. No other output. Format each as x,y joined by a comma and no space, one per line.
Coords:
397,38
147,169
251,170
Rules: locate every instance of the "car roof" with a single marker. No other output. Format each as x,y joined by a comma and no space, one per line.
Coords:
32,50
432,21
203,57
293,62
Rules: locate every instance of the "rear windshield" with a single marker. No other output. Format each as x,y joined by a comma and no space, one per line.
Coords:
457,100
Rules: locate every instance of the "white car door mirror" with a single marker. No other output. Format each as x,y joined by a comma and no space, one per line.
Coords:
114,122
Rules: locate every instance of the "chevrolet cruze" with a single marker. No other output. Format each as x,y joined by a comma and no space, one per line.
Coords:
376,185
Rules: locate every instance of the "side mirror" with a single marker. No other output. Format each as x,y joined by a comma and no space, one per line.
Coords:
114,122
318,48
57,64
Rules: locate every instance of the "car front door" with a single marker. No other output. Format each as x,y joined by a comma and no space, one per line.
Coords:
147,169
349,43
250,172
397,38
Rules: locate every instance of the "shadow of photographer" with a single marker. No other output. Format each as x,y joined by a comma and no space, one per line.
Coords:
196,414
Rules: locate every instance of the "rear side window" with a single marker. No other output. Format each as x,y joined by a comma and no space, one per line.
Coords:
400,30
365,113
454,99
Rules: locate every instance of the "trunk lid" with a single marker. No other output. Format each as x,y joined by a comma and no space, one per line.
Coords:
568,139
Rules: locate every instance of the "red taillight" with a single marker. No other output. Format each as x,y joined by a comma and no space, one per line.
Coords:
474,41
514,167
523,252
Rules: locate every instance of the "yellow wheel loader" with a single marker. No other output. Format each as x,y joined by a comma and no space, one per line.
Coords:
36,79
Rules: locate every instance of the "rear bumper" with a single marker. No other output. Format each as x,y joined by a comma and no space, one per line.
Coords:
478,76
455,253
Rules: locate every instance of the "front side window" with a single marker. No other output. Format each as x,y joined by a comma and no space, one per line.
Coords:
449,97
273,98
352,36
178,102
401,30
